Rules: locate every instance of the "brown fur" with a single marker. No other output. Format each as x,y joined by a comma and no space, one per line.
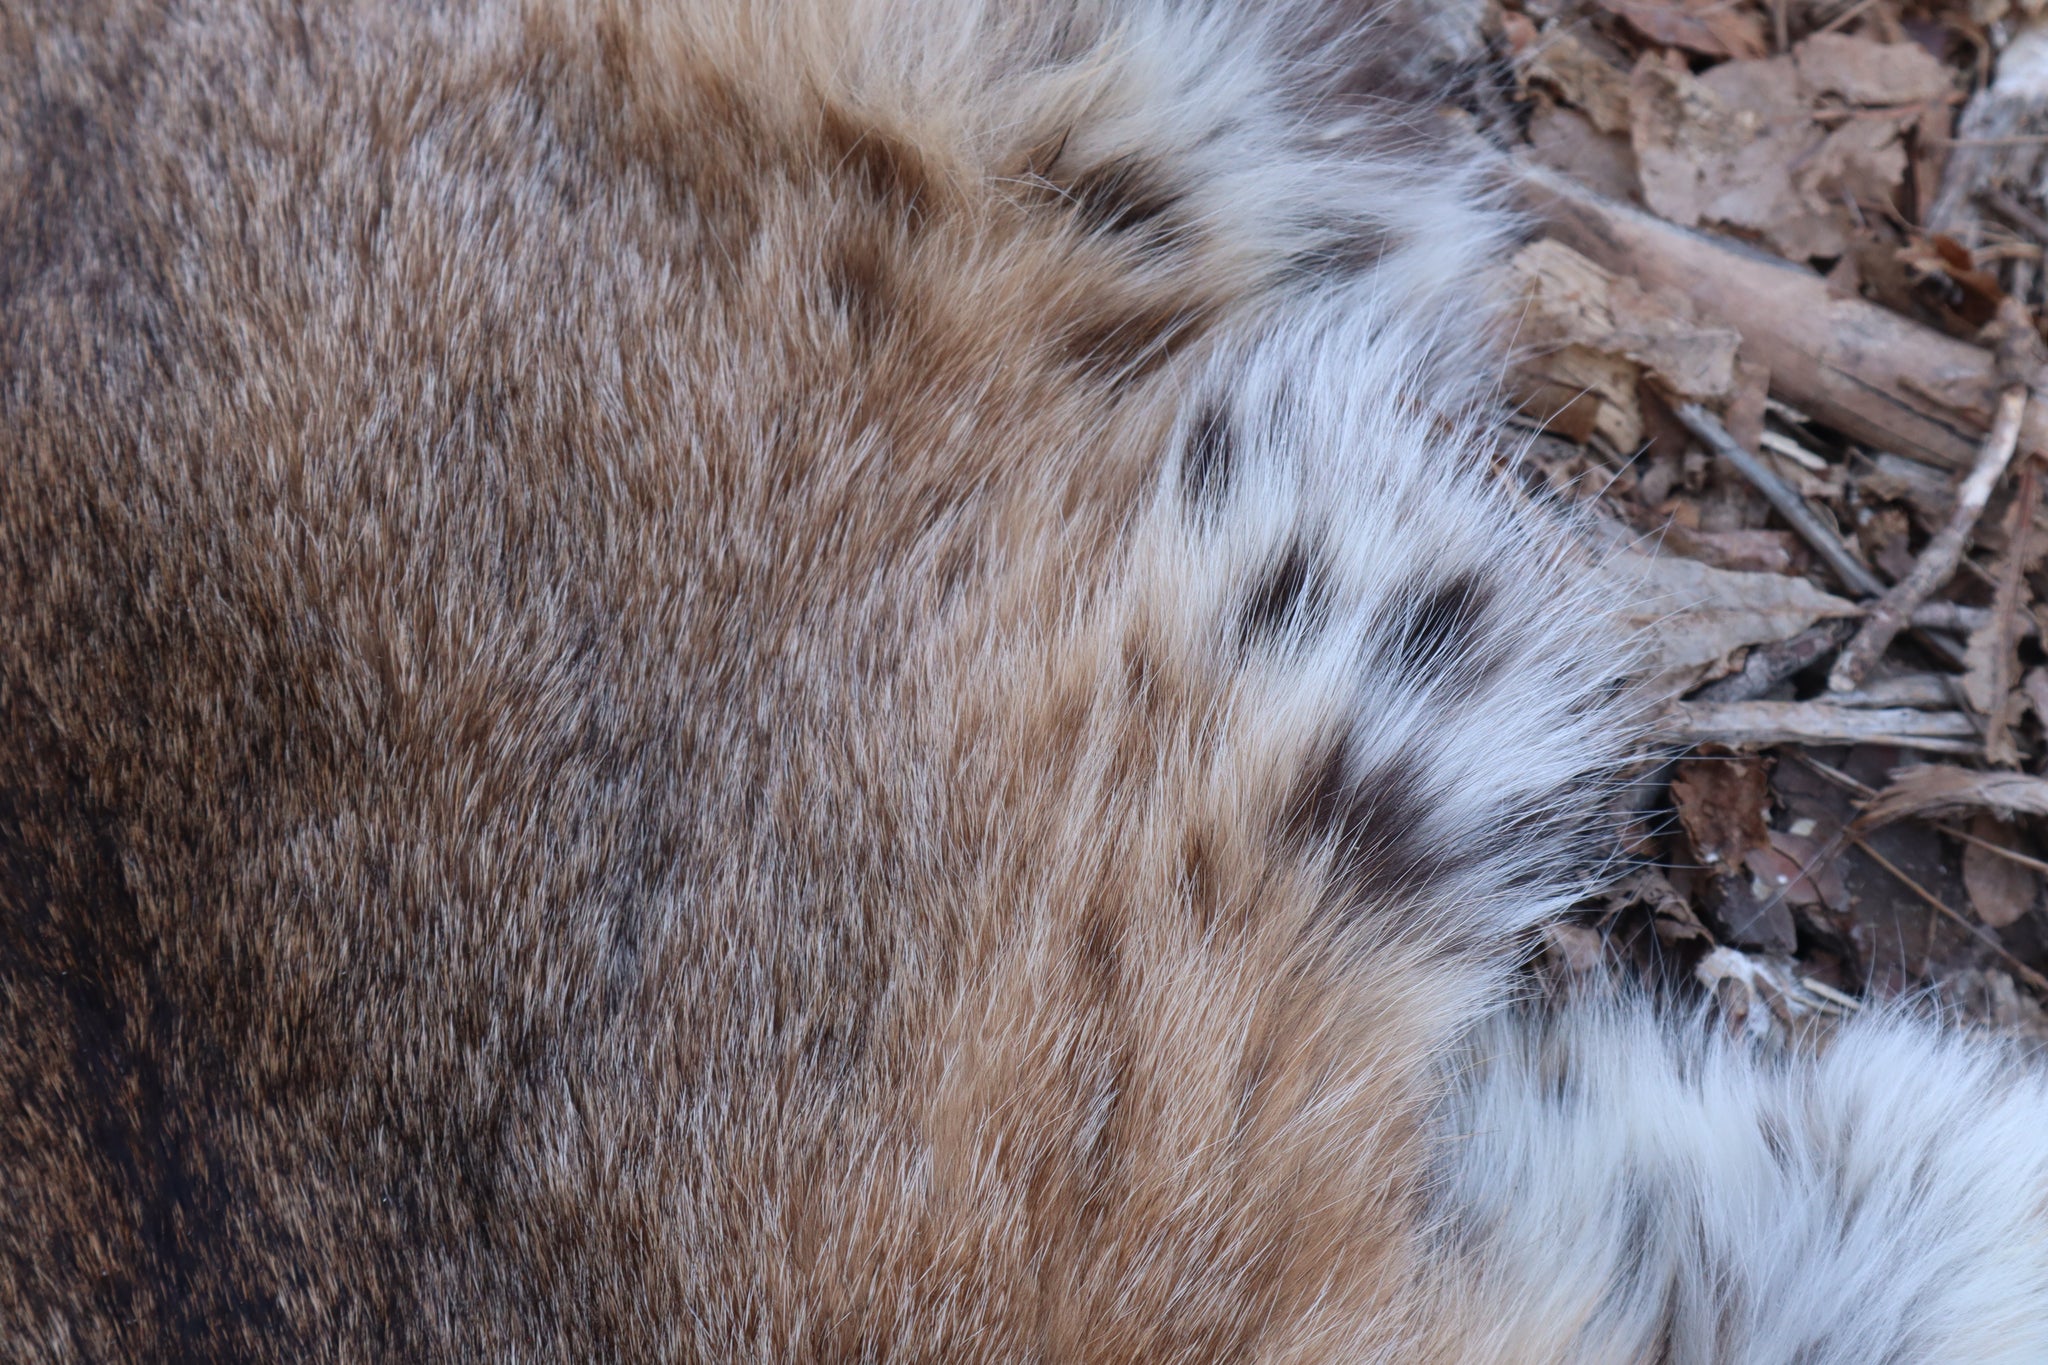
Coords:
583,773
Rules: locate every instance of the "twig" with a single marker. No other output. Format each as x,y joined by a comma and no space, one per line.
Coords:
2012,855
1782,496
1921,691
1998,745
1770,665
1845,16
1953,616
1847,1004
1835,775
1805,722
1937,563
1855,575
2003,205
2019,968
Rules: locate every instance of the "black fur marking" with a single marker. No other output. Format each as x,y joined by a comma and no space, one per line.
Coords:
857,280
1292,594
1437,626
1209,460
1126,196
891,170
1131,344
1346,251
141,1087
1377,824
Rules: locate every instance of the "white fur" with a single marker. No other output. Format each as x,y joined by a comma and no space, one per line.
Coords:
1627,1182
1620,1182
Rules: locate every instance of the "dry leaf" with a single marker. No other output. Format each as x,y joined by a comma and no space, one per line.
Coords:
1801,871
1739,145
1863,160
1581,78
1566,140
1710,27
1577,948
1722,148
1981,660
1987,684
1693,619
2036,689
1863,71
1670,912
1724,804
1751,915
1770,552
2001,890
1569,300
1936,789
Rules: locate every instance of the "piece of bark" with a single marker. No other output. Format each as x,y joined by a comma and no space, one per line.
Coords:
1866,371
1755,723
1579,76
1592,336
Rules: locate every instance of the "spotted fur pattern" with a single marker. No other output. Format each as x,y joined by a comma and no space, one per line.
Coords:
766,680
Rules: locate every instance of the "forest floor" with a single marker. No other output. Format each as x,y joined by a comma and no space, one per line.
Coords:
1779,334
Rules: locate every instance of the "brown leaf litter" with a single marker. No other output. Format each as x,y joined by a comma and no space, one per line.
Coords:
1785,281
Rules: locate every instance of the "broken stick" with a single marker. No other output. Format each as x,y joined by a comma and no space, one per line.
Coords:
1851,570
1871,374
1937,563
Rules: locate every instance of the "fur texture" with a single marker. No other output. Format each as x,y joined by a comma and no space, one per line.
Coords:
719,680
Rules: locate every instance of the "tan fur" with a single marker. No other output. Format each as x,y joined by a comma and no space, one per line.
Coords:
610,748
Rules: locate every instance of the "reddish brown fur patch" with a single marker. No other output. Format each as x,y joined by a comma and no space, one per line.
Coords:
573,782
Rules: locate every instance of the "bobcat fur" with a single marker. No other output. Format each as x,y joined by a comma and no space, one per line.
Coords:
785,680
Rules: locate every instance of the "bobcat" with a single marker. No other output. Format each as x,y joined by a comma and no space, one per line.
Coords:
797,680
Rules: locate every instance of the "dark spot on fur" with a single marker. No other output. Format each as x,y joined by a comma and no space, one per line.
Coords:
1344,251
1201,879
1126,196
1376,823
1131,343
128,1084
1436,626
1293,594
1100,954
1209,459
891,171
1140,675
858,281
